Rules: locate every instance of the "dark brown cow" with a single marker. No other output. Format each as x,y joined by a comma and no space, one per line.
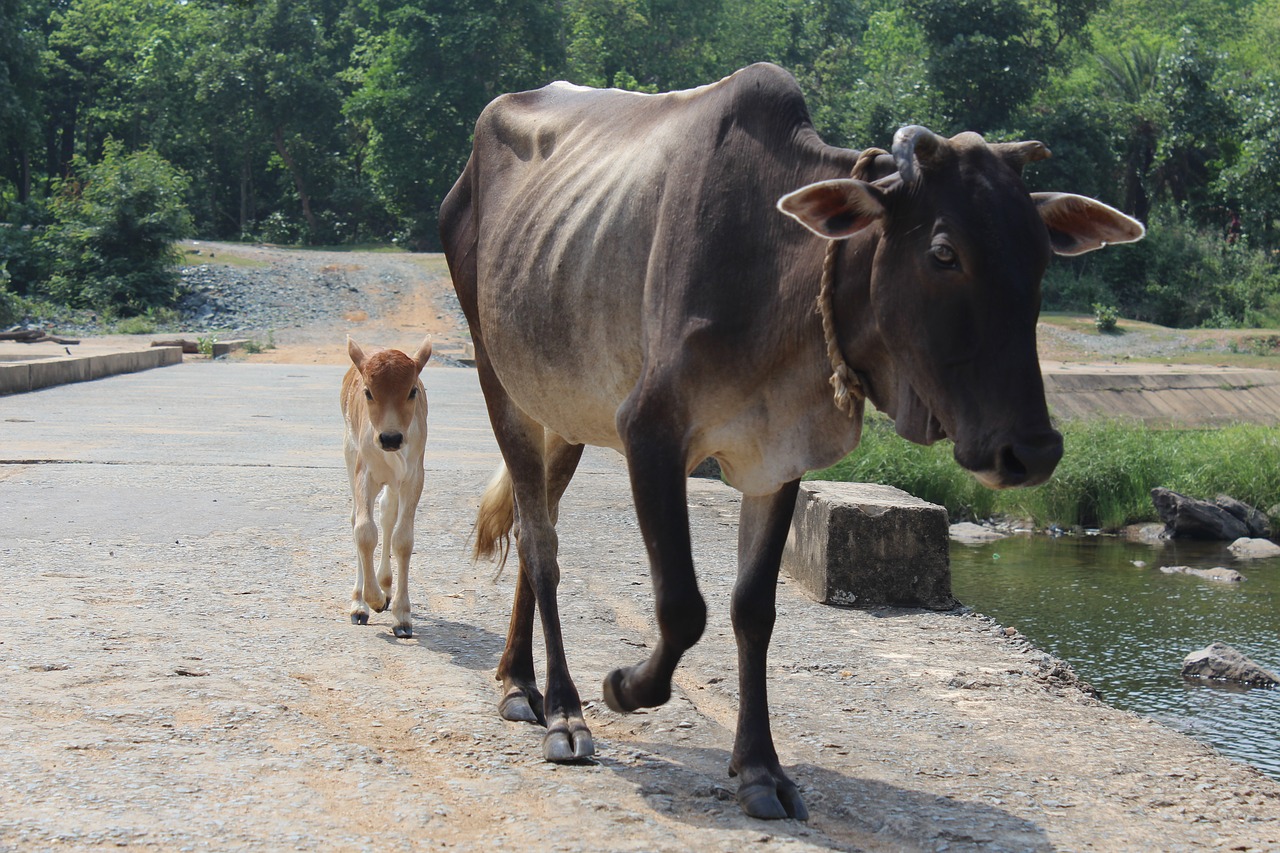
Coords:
630,283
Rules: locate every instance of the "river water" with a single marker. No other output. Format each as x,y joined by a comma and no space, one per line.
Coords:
1125,628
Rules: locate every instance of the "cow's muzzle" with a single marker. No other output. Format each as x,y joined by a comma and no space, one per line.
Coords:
390,440
1022,462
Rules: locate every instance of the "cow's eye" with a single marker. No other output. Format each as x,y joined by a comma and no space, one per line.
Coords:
413,393
944,255
368,395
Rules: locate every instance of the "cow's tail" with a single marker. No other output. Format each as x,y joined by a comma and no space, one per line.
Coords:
496,517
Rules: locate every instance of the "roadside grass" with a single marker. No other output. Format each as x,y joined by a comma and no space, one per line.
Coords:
1104,480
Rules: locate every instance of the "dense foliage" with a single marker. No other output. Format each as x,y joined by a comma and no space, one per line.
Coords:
1105,478
329,121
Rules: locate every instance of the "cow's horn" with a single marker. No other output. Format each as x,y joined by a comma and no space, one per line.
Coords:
1019,154
913,146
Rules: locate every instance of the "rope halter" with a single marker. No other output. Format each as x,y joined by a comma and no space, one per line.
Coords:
844,381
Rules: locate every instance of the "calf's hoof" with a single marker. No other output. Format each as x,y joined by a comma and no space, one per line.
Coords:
404,632
359,618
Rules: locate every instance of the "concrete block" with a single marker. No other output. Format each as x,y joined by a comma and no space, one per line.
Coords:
15,378
58,371
221,348
865,545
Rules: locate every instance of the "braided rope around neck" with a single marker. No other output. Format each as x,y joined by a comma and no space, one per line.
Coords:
845,383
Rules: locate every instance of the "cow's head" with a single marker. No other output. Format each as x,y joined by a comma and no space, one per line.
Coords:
389,385
959,249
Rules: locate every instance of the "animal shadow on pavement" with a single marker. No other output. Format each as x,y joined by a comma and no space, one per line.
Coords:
846,812
470,647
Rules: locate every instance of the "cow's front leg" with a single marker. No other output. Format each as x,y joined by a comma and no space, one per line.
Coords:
658,485
764,791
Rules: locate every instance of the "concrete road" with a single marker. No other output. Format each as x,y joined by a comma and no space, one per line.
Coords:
177,670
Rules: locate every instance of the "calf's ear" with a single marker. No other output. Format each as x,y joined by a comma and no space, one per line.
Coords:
423,354
1078,224
357,354
834,209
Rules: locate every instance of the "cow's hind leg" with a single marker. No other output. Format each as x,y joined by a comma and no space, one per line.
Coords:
521,700
523,449
764,790
658,485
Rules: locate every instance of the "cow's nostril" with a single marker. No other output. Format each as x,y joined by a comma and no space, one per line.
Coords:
390,440
1030,464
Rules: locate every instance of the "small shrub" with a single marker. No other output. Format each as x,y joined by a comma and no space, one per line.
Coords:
1105,317
116,223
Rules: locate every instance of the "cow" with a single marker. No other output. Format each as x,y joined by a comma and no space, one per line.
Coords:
384,406
641,272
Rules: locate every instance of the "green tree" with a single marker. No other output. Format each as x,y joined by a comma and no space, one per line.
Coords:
21,41
986,58
422,79
116,222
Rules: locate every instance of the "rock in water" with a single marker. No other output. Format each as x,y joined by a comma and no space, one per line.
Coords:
1215,574
1257,521
1196,519
1223,663
1250,549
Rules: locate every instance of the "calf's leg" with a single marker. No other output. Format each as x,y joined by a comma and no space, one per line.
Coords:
388,508
366,592
764,790
398,536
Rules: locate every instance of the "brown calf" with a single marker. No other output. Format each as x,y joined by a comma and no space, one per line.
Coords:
385,409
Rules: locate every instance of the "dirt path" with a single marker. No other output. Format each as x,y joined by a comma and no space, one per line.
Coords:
179,672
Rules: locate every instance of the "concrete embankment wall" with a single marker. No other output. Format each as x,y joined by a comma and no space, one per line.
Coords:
30,367
1163,395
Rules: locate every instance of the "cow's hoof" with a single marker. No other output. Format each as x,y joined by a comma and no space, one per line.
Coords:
519,707
625,698
773,802
567,740
359,618
614,693
380,608
404,632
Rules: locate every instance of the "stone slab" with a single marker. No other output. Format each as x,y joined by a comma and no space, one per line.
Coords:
43,371
867,545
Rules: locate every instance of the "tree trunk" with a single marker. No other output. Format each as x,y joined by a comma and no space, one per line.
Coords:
298,183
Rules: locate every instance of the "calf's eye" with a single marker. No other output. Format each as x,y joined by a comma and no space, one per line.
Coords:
368,395
413,393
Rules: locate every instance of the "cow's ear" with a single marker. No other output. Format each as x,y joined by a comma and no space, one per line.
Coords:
834,209
357,354
1078,224
423,354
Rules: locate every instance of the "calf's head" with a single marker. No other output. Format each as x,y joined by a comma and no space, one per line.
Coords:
958,248
390,387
